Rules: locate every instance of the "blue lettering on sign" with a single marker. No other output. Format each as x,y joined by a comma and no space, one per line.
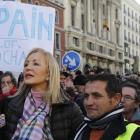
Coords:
22,58
18,13
19,19
13,57
9,43
6,15
47,27
33,23
4,56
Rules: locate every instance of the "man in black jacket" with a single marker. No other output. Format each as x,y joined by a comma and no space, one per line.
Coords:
104,119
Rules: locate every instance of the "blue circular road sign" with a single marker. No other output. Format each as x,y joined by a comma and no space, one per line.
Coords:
72,60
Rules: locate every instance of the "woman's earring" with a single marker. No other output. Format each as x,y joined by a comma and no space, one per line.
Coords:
47,79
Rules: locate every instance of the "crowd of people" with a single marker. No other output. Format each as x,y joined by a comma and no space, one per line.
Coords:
51,104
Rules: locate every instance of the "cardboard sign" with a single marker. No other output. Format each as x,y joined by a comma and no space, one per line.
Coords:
22,28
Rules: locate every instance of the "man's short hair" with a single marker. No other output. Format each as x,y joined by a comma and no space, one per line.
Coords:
13,79
135,85
113,83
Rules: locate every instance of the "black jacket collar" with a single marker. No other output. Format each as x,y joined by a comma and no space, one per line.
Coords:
116,128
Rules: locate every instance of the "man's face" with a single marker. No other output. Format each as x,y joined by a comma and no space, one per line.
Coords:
63,80
128,99
8,80
81,89
96,101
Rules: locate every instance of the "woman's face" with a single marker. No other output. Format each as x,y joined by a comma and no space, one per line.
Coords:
35,72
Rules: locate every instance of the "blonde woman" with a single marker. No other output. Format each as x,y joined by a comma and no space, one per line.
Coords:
40,110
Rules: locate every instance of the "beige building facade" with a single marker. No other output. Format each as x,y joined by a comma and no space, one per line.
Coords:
131,35
83,23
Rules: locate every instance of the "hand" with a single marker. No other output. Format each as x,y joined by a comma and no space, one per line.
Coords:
69,84
6,88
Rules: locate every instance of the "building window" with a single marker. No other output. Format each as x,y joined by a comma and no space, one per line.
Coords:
90,46
136,16
93,4
120,55
125,21
116,13
57,41
72,16
124,8
82,22
104,10
57,58
29,1
100,49
133,52
37,3
82,1
128,12
75,41
117,35
110,52
56,16
125,35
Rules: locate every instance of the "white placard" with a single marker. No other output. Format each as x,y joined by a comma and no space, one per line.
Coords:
22,28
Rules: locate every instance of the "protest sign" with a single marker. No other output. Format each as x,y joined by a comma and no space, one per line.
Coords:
22,28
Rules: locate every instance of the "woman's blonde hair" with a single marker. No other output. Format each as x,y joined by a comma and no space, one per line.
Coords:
52,94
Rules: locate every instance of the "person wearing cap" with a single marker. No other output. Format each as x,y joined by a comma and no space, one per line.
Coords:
131,100
79,83
63,77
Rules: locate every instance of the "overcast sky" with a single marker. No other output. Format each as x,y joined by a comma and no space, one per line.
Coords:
138,1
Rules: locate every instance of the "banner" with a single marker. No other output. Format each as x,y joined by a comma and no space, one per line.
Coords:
22,28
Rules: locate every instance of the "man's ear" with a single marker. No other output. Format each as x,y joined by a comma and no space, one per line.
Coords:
116,99
137,104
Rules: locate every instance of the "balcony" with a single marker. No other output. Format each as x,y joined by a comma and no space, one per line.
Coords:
125,23
129,25
125,11
74,29
126,54
133,16
125,38
133,28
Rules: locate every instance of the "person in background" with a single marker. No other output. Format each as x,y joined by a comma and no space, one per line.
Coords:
63,77
91,72
7,85
100,70
79,83
40,109
78,72
131,100
73,74
105,120
1,72
20,80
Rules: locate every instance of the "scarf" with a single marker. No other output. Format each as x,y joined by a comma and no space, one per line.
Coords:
101,123
104,120
34,124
